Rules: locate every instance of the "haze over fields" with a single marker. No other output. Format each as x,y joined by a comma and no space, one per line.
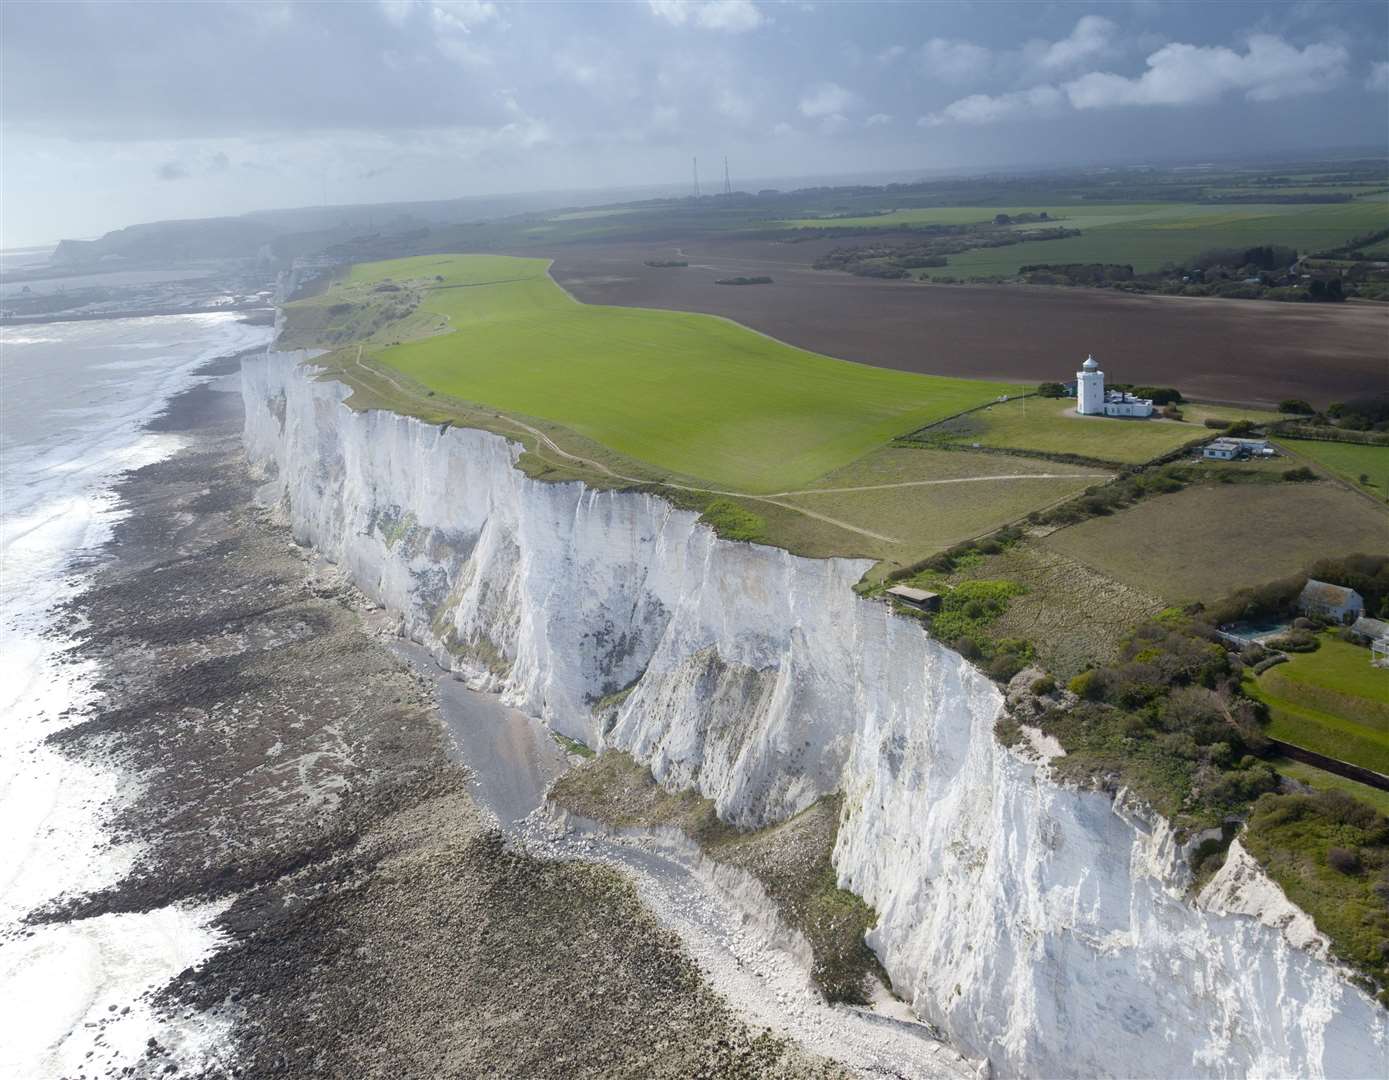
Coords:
196,110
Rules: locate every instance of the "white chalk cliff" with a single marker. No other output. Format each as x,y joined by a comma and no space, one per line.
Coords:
1046,928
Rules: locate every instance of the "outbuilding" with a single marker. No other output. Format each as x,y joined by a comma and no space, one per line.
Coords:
1334,603
1366,630
915,598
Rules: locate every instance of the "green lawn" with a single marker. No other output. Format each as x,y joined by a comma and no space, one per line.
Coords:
1326,781
1330,701
1050,425
1349,461
1145,236
694,395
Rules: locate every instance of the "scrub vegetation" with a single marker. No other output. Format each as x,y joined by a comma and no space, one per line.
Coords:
1172,721
1330,854
790,860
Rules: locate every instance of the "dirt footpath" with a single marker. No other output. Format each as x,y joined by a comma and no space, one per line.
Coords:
281,757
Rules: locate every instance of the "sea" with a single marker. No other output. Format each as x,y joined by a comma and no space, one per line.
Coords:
75,398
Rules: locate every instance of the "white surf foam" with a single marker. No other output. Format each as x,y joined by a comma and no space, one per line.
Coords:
75,994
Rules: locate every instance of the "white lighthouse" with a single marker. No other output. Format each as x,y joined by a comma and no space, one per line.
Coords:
1090,388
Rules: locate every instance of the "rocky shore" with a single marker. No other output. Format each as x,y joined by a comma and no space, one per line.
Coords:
285,763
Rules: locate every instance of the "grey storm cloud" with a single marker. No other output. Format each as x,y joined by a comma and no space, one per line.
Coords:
250,104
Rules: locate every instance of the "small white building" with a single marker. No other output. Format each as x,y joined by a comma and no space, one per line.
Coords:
1093,400
1334,603
1227,449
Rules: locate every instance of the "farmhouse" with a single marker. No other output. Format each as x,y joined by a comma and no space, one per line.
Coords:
1322,600
1227,449
917,598
1093,400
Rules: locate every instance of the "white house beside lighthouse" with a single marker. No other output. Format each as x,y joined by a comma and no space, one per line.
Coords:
1093,400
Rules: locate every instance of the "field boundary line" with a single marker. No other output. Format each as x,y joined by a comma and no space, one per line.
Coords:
1325,471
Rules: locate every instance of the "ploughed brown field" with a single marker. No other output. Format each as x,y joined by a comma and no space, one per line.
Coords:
1240,351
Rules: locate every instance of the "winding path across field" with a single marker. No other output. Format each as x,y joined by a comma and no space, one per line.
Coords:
774,498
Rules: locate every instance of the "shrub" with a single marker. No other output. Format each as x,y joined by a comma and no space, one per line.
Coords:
732,522
1343,859
966,647
1295,405
1160,395
1299,475
1217,423
1005,665
1295,641
1045,685
1051,390
1088,685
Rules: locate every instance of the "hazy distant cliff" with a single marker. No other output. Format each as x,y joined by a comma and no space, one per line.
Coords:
1041,926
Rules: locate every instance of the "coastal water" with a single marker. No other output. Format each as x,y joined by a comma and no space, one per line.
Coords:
75,399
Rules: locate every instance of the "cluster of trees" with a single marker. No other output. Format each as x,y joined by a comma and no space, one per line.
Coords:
1248,261
1159,395
929,246
1354,247
1366,574
1170,719
758,279
1094,274
1341,419
1262,271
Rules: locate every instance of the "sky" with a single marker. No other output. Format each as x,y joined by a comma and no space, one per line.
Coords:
116,113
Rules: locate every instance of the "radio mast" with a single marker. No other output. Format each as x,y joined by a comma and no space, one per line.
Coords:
727,187
696,178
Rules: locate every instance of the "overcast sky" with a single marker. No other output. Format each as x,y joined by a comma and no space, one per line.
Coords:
115,113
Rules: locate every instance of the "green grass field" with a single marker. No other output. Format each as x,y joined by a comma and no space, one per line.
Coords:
1206,541
965,495
1050,425
1331,701
1147,235
1322,780
692,395
942,215
1349,461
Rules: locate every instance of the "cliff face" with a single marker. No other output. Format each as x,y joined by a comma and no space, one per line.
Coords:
1041,926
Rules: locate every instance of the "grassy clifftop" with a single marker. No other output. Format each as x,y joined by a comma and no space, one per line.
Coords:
690,394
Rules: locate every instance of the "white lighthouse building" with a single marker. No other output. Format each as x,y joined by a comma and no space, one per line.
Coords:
1090,388
1093,400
